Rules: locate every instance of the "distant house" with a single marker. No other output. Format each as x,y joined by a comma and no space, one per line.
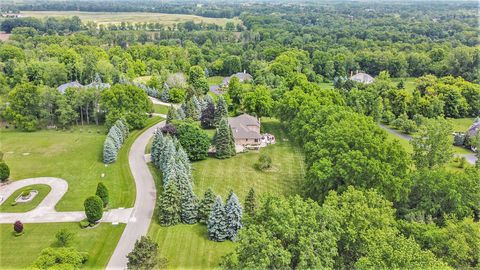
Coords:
246,130
362,78
62,88
242,77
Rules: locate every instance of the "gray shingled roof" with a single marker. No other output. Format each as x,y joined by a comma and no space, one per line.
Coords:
62,88
474,129
362,78
242,76
240,125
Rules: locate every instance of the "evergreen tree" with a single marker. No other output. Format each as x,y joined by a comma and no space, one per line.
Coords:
188,198
182,158
192,108
169,208
221,111
172,114
109,151
208,116
181,113
216,224
102,192
158,145
250,203
233,214
169,171
165,96
122,124
223,140
205,206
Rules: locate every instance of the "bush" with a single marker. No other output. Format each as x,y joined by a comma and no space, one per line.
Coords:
26,192
18,226
193,139
60,258
169,129
459,139
64,237
177,95
84,223
4,171
93,208
264,162
102,192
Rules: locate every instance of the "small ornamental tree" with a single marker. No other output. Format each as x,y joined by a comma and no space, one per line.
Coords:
169,207
194,140
264,162
172,114
224,144
216,224
233,216
205,206
169,129
93,208
208,116
221,111
144,254
60,258
250,203
18,226
102,192
109,151
4,171
64,237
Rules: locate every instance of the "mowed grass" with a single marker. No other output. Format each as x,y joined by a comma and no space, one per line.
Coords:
158,108
75,156
461,124
215,80
7,206
20,252
187,246
131,17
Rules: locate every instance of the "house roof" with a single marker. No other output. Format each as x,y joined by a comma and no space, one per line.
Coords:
242,76
240,125
474,129
362,78
215,89
62,88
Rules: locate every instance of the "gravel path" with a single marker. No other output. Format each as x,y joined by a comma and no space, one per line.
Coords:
146,194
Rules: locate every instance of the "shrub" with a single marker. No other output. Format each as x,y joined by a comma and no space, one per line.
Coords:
459,139
26,192
84,223
60,258
144,254
102,192
193,139
177,95
64,237
264,162
18,226
93,208
169,129
4,171
109,151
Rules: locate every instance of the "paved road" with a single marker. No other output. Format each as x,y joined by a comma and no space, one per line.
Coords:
45,211
471,158
146,194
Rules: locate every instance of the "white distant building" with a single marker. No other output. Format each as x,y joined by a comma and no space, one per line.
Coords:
362,78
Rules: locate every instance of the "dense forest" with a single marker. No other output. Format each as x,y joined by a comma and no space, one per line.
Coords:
364,203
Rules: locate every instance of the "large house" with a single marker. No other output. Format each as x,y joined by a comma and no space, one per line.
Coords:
242,77
246,130
362,78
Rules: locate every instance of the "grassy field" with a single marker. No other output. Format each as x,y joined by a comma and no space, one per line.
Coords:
461,124
20,252
215,80
158,108
75,156
187,246
131,17
6,206
408,82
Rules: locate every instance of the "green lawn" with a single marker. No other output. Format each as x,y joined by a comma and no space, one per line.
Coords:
215,80
461,124
75,156
408,82
187,246
6,206
158,108
20,252
326,85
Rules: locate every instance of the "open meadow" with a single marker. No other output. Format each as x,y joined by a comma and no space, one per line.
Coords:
129,17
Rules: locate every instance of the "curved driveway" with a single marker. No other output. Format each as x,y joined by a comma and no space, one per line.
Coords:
146,194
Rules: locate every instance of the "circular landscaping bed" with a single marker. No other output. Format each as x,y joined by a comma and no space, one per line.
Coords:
25,199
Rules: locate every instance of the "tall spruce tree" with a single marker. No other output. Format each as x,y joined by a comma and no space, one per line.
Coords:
165,96
188,198
250,203
116,136
223,140
233,216
216,224
221,111
182,158
158,145
205,206
169,206
109,151
192,108
172,114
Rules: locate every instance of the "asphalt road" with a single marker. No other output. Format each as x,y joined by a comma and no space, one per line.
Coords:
146,194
